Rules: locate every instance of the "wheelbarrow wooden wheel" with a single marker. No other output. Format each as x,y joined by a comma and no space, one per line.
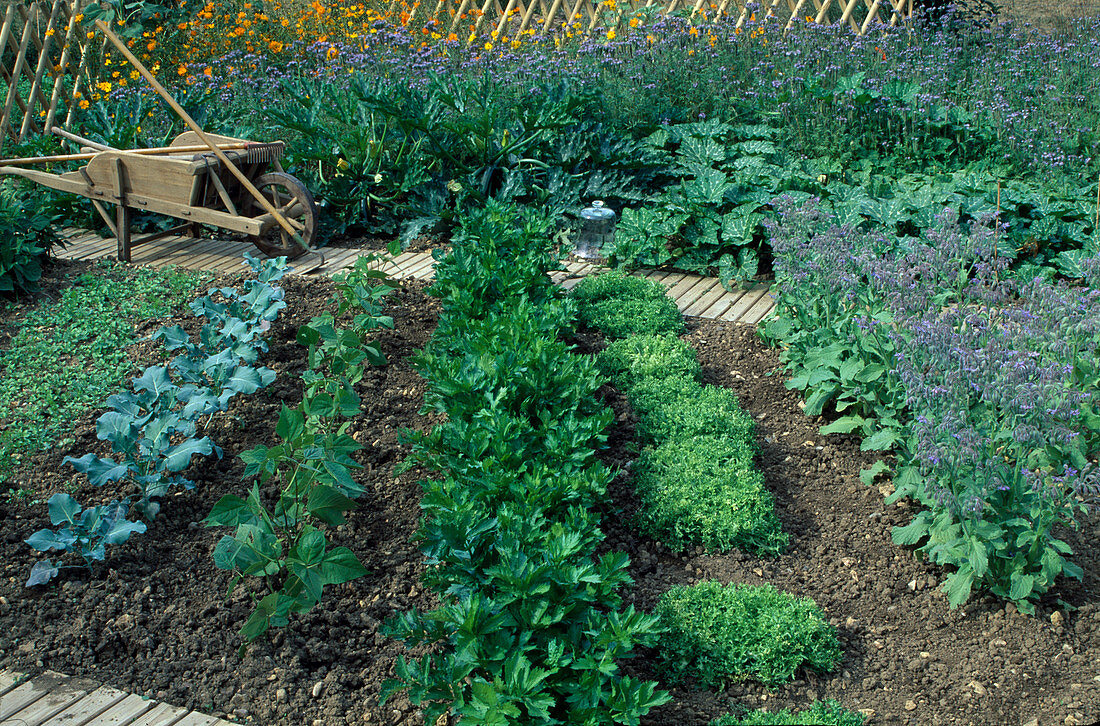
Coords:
291,198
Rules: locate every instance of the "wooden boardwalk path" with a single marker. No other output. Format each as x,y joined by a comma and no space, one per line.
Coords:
53,699
702,297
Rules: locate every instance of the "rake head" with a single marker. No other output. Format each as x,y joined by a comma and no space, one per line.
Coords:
265,152
251,153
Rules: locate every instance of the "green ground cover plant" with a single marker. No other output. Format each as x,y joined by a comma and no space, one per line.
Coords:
705,490
621,305
510,524
68,355
696,478
678,406
720,634
630,361
821,713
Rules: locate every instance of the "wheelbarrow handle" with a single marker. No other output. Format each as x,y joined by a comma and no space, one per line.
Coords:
80,139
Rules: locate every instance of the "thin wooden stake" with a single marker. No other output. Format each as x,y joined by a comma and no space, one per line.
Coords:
59,80
43,60
1096,220
550,16
16,73
458,15
872,13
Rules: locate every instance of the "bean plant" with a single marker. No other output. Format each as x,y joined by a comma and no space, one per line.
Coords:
285,546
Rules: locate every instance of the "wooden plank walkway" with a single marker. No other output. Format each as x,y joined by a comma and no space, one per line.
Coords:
53,699
695,295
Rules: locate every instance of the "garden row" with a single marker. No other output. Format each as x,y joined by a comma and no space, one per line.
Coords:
154,434
153,430
984,386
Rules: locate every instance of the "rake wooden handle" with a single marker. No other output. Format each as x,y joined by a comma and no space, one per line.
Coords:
241,177
156,151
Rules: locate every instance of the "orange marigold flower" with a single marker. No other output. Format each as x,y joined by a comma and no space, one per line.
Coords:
634,22
275,46
182,70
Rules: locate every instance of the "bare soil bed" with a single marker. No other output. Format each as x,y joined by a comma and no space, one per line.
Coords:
155,619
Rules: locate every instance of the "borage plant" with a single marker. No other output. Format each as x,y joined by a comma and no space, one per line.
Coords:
988,394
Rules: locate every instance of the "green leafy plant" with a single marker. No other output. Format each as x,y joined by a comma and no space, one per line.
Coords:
821,713
510,530
501,252
360,167
705,490
86,533
719,634
632,360
708,221
621,305
155,441
154,428
26,235
678,407
984,384
283,547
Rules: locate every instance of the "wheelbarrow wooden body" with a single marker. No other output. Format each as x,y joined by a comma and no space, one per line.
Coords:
193,186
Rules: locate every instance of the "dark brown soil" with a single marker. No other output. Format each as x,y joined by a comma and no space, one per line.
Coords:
908,658
155,620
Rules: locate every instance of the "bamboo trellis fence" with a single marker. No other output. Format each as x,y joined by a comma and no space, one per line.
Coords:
44,61
514,17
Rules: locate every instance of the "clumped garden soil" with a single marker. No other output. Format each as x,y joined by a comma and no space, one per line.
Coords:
155,619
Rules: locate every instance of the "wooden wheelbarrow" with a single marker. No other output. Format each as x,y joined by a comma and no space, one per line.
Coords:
200,178
187,181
